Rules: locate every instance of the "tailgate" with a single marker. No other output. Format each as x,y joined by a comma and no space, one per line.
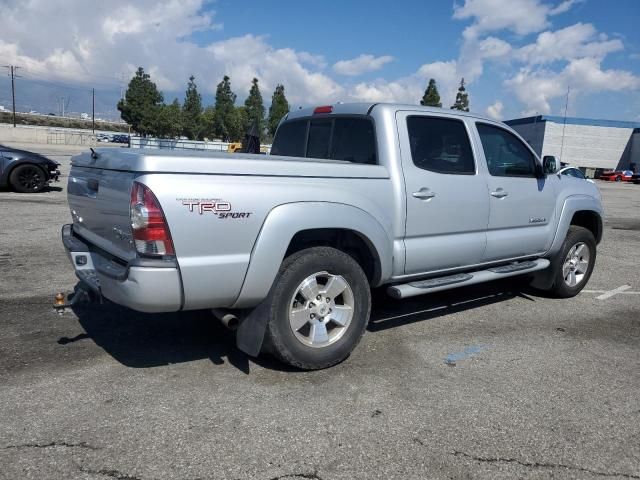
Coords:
99,202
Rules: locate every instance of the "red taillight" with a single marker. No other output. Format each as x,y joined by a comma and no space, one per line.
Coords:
323,109
150,230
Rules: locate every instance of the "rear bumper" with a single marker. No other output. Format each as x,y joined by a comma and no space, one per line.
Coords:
143,285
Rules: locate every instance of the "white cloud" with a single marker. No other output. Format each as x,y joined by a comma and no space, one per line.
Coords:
537,88
519,16
575,41
97,42
361,64
409,89
495,110
94,43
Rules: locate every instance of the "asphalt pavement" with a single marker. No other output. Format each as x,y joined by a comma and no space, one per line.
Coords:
494,381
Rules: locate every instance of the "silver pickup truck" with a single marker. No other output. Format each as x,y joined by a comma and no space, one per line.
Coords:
353,196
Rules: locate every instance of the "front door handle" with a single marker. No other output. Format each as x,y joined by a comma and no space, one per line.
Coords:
499,193
424,194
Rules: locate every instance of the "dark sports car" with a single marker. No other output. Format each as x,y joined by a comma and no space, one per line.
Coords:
25,171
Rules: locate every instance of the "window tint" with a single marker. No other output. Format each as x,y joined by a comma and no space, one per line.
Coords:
506,155
290,139
440,145
319,137
353,140
350,139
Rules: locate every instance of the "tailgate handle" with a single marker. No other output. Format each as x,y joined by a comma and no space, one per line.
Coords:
92,184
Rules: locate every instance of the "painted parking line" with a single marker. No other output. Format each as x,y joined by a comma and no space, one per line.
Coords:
610,293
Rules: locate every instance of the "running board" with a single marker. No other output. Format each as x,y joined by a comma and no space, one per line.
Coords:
438,284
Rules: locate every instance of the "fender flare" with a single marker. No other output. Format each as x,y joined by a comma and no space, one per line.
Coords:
571,205
284,221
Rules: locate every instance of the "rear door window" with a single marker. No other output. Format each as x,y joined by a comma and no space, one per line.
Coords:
440,145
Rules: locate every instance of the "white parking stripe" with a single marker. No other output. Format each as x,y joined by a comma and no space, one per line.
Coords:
605,291
613,292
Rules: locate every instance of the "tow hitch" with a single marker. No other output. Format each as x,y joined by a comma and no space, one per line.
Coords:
80,295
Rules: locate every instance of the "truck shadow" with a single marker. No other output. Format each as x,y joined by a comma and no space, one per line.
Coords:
388,313
140,340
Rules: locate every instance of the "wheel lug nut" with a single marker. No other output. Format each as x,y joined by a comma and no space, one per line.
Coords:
313,315
311,304
318,297
328,299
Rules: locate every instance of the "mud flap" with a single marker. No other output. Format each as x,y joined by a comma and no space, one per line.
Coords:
544,279
250,333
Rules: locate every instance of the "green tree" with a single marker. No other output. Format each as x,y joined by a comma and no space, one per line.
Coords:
169,121
141,103
254,107
462,98
192,126
224,110
278,109
431,97
237,124
208,122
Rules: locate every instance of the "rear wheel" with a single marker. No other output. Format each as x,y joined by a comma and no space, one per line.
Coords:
319,309
574,263
618,178
27,178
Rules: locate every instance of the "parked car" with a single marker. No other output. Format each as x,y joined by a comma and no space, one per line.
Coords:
120,139
24,171
617,176
286,247
635,178
574,172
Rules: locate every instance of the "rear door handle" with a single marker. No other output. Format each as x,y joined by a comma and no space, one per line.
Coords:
499,193
424,194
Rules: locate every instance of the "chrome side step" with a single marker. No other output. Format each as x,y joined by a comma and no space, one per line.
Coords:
438,284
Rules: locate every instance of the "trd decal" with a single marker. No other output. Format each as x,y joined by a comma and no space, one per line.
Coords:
212,206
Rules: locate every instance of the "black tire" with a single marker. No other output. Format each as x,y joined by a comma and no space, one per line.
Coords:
575,235
280,338
27,178
618,178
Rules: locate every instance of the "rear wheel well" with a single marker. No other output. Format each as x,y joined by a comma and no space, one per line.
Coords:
589,220
348,241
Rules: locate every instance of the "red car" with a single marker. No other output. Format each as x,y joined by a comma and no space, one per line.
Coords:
617,176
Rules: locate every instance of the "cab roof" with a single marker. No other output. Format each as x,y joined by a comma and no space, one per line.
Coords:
366,108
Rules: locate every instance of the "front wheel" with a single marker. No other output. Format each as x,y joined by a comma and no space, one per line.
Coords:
320,306
27,178
574,263
618,178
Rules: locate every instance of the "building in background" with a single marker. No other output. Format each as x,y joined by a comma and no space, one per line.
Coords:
591,145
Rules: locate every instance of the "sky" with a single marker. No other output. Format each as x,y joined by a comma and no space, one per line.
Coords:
518,57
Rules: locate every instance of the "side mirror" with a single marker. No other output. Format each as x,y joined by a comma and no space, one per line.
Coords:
549,164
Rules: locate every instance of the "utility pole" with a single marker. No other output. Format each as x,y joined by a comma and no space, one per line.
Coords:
93,110
564,125
12,70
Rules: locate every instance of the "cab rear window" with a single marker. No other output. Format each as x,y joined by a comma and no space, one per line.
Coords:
347,138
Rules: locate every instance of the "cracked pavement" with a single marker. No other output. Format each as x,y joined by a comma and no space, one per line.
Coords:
487,382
